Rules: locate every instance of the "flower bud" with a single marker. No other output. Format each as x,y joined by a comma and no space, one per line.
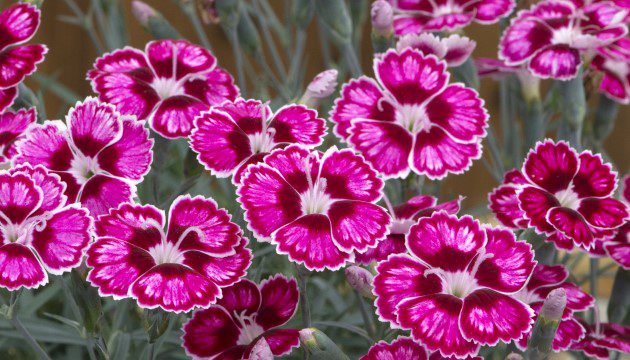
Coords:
319,346
382,17
208,12
361,280
321,87
514,356
554,305
142,12
153,21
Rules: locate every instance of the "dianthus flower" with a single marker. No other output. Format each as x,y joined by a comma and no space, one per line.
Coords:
236,134
410,118
404,348
416,16
246,314
545,279
18,24
13,125
601,338
403,217
317,208
40,232
551,36
98,153
452,289
454,49
618,248
169,84
201,252
614,62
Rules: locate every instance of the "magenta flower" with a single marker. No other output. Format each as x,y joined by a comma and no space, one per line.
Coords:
404,348
40,232
187,266
410,118
618,248
247,313
454,49
614,62
98,153
552,35
602,338
416,16
451,290
13,125
234,135
317,208
404,216
169,84
568,195
503,201
545,279
18,24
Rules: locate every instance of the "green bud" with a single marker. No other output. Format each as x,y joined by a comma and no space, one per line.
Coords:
546,326
229,13
335,18
302,12
153,21
155,323
319,346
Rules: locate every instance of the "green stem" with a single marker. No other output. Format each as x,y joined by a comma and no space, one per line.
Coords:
151,351
572,110
594,265
351,59
86,24
15,320
238,56
367,318
188,7
304,303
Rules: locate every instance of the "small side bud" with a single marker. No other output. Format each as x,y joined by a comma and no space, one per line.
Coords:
319,346
142,12
514,356
361,280
321,87
382,17
153,21
554,305
546,326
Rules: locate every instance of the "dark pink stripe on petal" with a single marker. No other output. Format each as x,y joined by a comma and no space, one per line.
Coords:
138,225
357,225
460,112
545,275
282,341
571,224
19,197
594,177
349,177
551,165
127,92
18,24
522,39
130,157
401,348
557,61
212,88
224,271
279,301
18,62
535,204
604,213
7,96
209,332
241,299
93,125
298,124
45,145
102,193
174,116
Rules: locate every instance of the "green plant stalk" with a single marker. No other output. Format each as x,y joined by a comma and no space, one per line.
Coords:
188,8
367,318
302,274
593,275
15,321
604,121
86,24
572,108
467,73
238,57
534,123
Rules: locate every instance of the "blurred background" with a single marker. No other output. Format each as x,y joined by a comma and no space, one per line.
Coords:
72,51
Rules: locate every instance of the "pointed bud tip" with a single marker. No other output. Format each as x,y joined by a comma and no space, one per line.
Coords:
142,12
360,279
554,305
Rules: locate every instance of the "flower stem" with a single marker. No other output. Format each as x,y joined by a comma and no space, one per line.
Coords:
594,265
572,110
188,7
13,317
367,319
301,274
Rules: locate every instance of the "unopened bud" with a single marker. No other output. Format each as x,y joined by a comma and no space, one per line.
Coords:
142,12
361,280
382,17
514,356
322,86
554,305
261,350
319,346
208,12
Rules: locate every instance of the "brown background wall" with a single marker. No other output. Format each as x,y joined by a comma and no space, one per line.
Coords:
71,55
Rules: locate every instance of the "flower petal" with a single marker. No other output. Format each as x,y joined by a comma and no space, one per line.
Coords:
349,177
488,316
546,275
102,193
460,112
298,124
18,62
212,88
279,301
174,288
357,225
522,39
401,277
282,341
386,146
291,162
411,77
242,298
7,96
93,125
571,224
116,265
536,204
46,145
503,201
188,58
569,331
209,332
458,49
308,241
360,99
139,225
414,205
130,157
51,185
125,60
220,142
510,266
604,213
19,197
127,92
61,243
619,250
594,177
445,241
490,11
19,267
401,348
433,320
202,225
557,62
174,116
436,154
551,165
18,24
12,126
268,200
224,271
